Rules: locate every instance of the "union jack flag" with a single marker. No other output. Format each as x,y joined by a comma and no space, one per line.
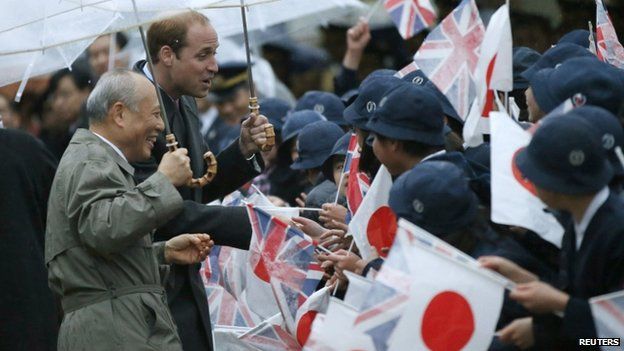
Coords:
283,256
609,48
225,308
381,313
411,16
358,183
407,70
450,53
271,336
608,312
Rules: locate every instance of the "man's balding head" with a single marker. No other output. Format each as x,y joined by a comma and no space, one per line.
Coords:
114,86
123,108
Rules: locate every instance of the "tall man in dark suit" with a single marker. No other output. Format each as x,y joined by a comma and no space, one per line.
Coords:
183,50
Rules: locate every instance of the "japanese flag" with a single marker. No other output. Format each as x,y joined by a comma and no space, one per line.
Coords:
452,305
494,73
374,224
315,304
514,200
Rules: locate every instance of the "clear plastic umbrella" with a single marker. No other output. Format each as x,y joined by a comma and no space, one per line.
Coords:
40,36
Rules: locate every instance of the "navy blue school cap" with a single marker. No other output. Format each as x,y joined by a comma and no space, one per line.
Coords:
565,156
436,196
314,144
597,80
371,92
276,110
295,121
556,55
382,72
409,112
523,58
577,36
327,104
610,129
418,77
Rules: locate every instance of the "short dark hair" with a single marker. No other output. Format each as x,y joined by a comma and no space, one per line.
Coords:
80,74
172,32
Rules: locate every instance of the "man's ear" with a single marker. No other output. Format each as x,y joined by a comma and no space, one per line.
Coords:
166,55
117,111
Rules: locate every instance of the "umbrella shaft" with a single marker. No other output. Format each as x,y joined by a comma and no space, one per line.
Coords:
252,90
150,65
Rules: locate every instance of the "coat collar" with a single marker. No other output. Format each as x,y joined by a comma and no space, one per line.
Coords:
85,136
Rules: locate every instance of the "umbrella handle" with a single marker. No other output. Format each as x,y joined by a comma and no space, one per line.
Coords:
254,107
209,157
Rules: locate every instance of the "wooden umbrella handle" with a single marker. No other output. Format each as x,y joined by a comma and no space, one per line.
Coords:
209,157
254,107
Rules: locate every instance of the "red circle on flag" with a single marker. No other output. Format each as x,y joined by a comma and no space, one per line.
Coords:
304,327
381,229
448,322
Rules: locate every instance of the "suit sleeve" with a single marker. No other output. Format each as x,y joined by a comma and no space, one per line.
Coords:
233,171
227,226
109,217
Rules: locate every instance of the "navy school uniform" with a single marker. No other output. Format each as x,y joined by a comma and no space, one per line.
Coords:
596,268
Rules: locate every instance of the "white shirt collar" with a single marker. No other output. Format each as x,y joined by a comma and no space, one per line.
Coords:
441,152
117,150
580,228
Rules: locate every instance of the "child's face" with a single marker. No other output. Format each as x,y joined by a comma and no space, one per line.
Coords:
386,153
337,164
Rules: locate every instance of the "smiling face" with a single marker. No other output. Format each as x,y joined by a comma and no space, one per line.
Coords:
141,127
195,65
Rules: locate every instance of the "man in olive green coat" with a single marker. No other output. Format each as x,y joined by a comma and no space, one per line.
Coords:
99,251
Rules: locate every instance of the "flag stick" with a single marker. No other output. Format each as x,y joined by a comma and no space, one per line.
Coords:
373,10
339,185
592,38
507,103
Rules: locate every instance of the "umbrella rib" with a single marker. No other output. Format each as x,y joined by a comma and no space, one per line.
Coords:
97,3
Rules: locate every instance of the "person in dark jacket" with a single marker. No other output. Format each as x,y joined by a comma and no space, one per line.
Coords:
28,313
183,50
571,173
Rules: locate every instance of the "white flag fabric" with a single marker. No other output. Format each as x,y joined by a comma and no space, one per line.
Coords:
514,201
452,305
494,71
608,312
357,292
333,331
374,224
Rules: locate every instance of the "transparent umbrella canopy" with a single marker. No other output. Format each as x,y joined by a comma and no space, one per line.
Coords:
41,36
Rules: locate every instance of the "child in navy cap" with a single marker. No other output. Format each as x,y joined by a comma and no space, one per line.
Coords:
291,183
327,104
314,145
570,170
408,126
599,82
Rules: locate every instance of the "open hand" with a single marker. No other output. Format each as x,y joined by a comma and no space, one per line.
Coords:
188,248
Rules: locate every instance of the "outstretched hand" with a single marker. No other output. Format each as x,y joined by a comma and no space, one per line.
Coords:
188,248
